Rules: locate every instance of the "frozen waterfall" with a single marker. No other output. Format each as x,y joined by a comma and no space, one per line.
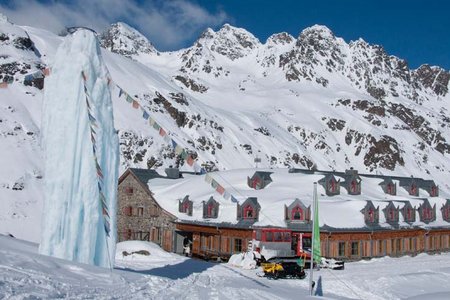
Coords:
81,155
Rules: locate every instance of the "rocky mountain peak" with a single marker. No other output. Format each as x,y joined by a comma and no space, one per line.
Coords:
125,40
282,38
229,41
432,77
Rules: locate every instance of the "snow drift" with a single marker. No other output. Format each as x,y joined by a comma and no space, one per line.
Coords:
81,155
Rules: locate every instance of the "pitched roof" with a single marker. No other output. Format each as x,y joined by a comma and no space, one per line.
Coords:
144,175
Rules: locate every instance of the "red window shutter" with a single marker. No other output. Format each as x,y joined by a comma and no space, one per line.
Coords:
127,210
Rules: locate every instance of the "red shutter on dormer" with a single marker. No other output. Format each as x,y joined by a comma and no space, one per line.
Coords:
129,190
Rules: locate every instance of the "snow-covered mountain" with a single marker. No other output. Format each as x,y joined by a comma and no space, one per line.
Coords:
314,101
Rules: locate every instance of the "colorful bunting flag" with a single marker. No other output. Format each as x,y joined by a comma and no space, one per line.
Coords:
145,115
174,144
190,160
184,154
208,178
156,126
178,149
234,200
129,99
162,132
226,195
135,104
220,189
120,92
151,121
167,139
214,184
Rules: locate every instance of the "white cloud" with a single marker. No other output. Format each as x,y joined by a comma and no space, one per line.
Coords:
168,24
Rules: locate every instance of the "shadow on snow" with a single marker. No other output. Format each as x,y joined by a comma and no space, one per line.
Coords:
177,271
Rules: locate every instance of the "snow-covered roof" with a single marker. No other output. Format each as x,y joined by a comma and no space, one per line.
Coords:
341,211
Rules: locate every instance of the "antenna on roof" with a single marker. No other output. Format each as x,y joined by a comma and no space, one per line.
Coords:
257,160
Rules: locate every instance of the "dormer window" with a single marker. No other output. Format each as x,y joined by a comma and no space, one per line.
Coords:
254,182
426,212
297,213
129,190
371,215
409,212
259,180
413,190
210,208
330,184
353,186
185,206
390,189
248,212
434,191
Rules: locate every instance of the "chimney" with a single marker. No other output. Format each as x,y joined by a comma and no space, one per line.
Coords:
351,172
172,173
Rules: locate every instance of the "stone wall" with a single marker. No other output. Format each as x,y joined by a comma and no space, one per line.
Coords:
148,221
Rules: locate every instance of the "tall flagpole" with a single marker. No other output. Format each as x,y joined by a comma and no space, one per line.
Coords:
312,239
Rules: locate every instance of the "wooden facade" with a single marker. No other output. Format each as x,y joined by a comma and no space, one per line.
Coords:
212,241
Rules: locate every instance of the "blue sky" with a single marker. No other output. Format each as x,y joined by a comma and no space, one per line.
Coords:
415,30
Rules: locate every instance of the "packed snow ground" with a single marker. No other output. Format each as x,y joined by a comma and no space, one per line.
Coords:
24,274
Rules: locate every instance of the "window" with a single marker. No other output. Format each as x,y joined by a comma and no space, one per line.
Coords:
129,190
237,245
391,214
355,248
258,234
341,249
297,213
371,216
413,189
248,212
287,237
332,186
353,186
433,191
392,245
398,245
153,210
409,214
140,211
390,189
128,211
380,247
277,236
255,182
269,236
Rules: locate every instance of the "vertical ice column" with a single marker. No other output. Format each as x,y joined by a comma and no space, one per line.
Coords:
79,141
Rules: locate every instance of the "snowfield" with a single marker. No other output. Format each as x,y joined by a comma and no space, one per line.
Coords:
24,274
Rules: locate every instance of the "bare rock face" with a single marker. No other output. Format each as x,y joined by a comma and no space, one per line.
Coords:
434,78
122,39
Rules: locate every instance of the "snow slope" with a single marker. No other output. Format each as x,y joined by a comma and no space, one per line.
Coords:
27,275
